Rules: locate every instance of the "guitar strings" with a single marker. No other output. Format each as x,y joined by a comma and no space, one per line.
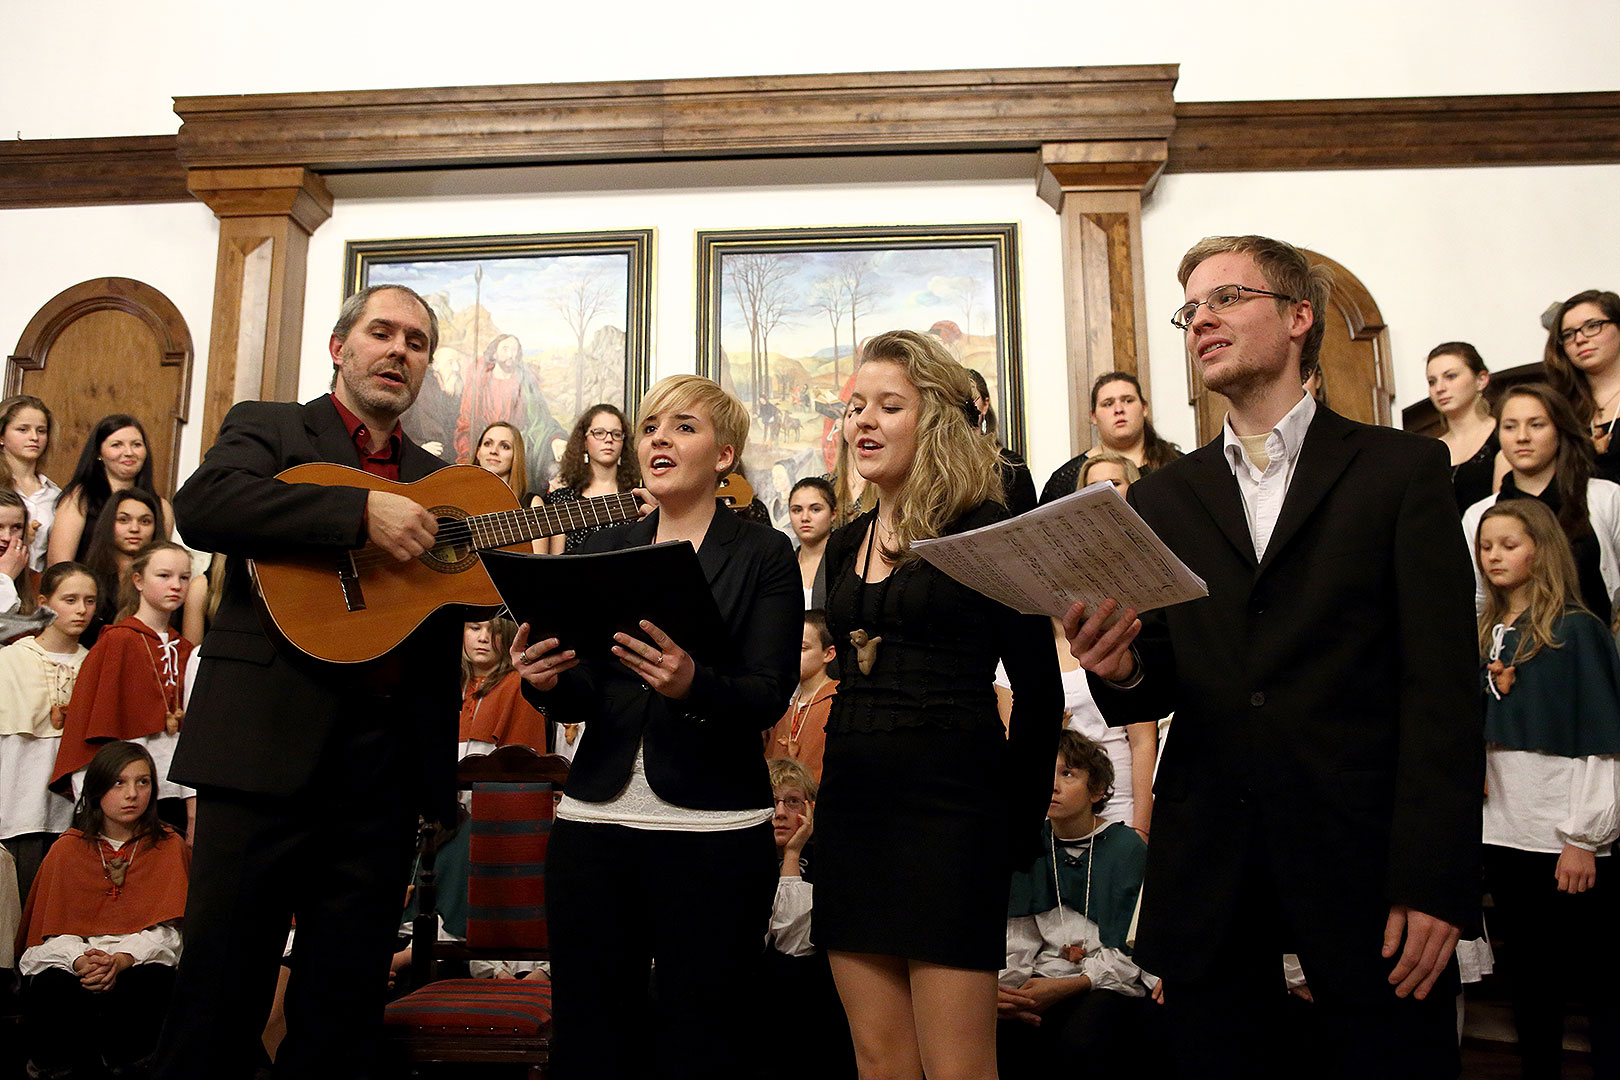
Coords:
556,519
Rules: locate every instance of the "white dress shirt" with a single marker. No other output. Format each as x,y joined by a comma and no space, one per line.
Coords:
1264,490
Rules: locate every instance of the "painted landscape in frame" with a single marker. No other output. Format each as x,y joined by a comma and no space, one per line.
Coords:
532,329
783,314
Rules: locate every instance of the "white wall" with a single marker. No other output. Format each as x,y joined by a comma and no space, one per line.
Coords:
108,67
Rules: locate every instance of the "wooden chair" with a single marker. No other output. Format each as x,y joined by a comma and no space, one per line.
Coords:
495,1021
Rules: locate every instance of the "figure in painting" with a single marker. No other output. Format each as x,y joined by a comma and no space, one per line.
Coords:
501,386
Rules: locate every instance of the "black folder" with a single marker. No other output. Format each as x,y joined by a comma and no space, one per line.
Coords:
583,600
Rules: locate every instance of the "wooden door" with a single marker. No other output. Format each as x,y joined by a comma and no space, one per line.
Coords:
1358,378
110,345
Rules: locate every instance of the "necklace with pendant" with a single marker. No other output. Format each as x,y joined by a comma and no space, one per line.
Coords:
116,868
801,709
172,712
866,645
1070,951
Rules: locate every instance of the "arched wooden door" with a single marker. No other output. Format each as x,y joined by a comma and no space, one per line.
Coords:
109,345
1358,378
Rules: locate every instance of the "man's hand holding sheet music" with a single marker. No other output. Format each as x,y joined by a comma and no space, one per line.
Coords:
1103,650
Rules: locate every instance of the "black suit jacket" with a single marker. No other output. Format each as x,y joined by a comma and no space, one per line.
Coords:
261,713
701,752
1326,700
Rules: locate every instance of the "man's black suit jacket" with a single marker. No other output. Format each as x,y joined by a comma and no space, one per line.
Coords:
701,752
261,713
1326,701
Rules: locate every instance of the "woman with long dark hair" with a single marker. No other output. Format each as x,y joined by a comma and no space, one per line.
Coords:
101,928
127,524
1550,459
1119,412
1582,358
115,458
594,463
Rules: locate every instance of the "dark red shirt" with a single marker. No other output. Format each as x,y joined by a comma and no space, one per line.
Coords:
384,463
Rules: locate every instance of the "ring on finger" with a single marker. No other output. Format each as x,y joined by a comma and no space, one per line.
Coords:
660,659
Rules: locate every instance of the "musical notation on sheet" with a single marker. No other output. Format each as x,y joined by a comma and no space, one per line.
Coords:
1087,546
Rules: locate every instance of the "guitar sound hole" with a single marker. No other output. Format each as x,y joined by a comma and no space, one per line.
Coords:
455,551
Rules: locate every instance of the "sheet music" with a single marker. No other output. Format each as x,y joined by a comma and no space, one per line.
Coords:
1087,546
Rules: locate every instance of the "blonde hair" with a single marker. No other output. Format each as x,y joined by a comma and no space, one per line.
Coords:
1287,270
678,392
1108,457
1554,582
518,478
789,771
954,468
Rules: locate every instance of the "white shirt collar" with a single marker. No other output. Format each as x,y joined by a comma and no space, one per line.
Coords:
1288,436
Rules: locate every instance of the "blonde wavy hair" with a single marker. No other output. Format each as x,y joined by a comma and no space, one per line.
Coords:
954,469
1554,583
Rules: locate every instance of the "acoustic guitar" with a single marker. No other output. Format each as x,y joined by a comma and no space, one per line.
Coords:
354,605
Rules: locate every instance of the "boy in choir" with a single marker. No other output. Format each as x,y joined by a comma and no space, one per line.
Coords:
799,982
801,734
1070,992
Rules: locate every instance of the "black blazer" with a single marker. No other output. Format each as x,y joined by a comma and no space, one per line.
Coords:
261,712
1326,700
702,752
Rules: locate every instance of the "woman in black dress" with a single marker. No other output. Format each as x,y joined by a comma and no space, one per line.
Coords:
1017,485
594,463
926,802
1457,379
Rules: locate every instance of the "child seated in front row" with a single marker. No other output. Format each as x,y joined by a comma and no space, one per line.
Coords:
801,734
101,927
1070,992
796,971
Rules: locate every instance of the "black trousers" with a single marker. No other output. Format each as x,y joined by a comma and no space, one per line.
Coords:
338,858
682,912
71,1027
1236,1021
1556,947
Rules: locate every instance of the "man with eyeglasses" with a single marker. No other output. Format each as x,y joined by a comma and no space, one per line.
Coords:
1320,792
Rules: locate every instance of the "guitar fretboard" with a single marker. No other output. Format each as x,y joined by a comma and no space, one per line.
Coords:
515,526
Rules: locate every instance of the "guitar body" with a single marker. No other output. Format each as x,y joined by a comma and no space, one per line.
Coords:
354,605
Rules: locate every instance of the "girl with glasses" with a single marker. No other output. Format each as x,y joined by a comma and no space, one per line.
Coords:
593,464
1582,358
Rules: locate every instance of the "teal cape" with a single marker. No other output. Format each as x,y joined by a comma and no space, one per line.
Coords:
1564,700
1116,879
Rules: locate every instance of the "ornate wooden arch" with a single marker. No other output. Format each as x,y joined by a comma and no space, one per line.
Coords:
155,311
1368,336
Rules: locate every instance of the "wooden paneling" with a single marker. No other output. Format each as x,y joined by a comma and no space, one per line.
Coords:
104,346
995,109
87,172
1396,133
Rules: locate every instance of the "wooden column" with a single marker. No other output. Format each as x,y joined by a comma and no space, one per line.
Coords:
1097,188
266,216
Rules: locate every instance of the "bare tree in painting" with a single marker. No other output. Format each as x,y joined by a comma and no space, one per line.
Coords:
756,280
828,299
580,302
854,269
774,312
966,291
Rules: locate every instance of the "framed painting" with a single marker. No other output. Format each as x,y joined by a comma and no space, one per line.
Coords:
532,329
783,314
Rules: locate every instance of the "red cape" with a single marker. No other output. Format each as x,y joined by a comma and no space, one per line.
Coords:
503,716
117,695
71,893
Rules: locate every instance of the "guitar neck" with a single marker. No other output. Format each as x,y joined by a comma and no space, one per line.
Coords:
516,526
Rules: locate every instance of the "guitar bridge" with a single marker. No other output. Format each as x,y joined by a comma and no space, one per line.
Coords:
349,582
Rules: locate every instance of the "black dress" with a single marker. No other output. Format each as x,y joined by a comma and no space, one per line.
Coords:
574,539
926,805
1471,480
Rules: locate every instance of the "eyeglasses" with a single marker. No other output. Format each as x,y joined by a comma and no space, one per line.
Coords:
1589,329
1219,300
792,802
605,434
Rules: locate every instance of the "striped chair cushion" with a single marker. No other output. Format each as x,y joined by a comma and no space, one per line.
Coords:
493,1006
506,883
